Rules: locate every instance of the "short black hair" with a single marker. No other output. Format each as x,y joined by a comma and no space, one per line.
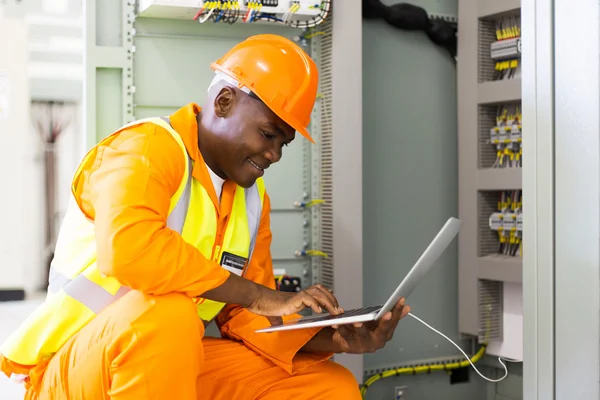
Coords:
254,96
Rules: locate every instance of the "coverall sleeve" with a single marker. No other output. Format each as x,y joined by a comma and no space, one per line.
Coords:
239,324
129,194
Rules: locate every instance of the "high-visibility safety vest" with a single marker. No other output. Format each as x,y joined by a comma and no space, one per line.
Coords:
77,290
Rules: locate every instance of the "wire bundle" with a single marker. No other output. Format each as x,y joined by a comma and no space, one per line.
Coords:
506,135
230,11
294,8
510,232
221,11
507,28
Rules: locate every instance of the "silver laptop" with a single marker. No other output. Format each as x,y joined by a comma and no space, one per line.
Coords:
410,281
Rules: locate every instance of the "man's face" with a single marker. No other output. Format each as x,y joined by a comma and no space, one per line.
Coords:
253,139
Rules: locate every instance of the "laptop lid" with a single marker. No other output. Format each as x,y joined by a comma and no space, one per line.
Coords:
422,266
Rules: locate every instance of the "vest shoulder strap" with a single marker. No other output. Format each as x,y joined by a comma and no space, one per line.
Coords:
181,199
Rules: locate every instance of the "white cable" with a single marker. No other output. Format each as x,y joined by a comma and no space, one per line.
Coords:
465,354
207,16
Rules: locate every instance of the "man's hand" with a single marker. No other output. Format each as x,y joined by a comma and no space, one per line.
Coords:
272,303
371,336
264,301
358,338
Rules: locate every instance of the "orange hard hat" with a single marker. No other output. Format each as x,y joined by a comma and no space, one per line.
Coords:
278,72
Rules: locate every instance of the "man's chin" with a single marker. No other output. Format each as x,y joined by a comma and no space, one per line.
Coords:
245,182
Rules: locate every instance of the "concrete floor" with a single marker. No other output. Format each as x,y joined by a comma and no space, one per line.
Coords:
11,315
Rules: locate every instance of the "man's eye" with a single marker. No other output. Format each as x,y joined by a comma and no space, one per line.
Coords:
268,135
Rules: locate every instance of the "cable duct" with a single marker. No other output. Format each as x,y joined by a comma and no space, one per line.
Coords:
409,17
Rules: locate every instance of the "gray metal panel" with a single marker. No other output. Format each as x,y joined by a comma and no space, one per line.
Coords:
487,8
499,179
467,81
103,51
498,91
430,387
538,183
284,180
406,204
182,66
288,235
153,111
577,198
108,31
108,100
347,162
500,268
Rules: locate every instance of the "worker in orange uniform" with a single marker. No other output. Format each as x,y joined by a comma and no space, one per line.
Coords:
167,230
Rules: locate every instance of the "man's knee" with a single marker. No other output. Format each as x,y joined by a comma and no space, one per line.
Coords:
172,315
340,380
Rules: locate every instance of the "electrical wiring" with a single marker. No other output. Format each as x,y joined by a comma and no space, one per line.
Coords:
312,35
508,222
507,28
202,16
506,135
325,8
311,253
439,367
229,11
309,204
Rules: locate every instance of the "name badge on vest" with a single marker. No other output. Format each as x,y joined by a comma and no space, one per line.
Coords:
232,263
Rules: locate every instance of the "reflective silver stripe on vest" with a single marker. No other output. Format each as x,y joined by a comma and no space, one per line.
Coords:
92,295
176,219
253,212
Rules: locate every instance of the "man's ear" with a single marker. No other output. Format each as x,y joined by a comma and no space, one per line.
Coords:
224,101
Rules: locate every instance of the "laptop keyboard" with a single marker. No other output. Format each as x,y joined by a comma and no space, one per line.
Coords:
360,311
348,313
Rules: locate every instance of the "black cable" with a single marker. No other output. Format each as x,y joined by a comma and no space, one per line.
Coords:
409,17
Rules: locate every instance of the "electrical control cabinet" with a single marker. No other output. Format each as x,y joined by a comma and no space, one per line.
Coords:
490,177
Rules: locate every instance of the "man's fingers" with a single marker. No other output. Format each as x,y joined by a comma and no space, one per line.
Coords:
405,311
325,298
308,301
388,325
327,293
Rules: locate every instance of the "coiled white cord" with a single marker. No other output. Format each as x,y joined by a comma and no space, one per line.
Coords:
465,354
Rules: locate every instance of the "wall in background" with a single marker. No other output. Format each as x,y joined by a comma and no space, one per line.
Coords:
55,72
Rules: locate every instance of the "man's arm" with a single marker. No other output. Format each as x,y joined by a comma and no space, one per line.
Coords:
322,342
239,324
129,196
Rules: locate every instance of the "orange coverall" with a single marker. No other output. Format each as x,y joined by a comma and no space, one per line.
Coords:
126,351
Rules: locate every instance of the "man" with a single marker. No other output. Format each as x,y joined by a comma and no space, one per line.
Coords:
168,229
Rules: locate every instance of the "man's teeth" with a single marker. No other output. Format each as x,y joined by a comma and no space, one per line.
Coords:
255,166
